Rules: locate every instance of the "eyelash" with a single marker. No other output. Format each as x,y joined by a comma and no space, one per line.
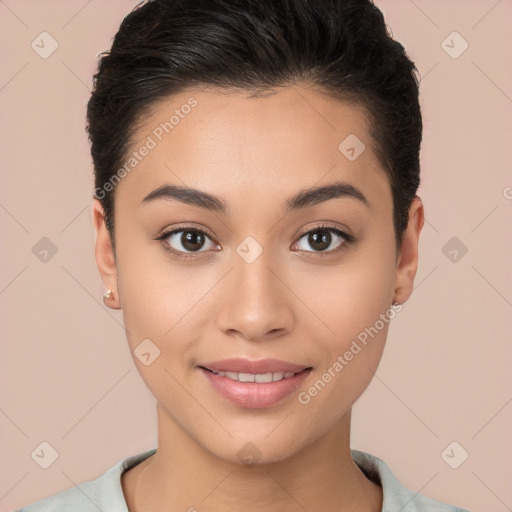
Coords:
347,240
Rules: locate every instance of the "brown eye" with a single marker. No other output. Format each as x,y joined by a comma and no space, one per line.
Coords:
192,240
324,239
186,241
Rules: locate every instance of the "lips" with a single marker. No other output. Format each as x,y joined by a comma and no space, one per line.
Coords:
254,384
264,366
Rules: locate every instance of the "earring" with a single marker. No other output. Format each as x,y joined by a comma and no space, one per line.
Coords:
109,300
396,304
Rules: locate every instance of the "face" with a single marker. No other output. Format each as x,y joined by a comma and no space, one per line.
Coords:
269,267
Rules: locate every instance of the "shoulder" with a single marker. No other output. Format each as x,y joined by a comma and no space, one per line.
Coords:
82,498
103,493
395,495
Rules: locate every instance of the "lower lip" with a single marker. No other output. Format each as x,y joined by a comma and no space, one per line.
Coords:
255,395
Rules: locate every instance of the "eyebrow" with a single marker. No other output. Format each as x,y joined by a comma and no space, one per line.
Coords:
303,199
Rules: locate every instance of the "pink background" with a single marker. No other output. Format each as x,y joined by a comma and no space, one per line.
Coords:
66,375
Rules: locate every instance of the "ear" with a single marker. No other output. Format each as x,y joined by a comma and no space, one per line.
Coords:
104,254
407,264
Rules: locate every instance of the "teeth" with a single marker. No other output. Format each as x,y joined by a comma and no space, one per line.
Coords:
258,377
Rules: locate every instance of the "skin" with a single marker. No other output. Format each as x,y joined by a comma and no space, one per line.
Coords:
289,304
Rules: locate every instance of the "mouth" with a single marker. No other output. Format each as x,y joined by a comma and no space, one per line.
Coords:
260,378
258,367
254,384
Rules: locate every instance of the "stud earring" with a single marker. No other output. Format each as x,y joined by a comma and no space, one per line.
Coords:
109,300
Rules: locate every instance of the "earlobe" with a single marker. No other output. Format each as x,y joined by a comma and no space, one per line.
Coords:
104,255
408,259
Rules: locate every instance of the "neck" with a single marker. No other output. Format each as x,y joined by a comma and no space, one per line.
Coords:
182,475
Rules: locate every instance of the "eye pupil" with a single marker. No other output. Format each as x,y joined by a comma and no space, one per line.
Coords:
320,242
192,240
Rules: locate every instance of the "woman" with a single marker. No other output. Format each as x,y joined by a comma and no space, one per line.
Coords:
256,217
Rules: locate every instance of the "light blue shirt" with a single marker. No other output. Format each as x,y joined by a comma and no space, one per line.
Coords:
105,493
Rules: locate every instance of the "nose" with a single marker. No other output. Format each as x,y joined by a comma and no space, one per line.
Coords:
256,301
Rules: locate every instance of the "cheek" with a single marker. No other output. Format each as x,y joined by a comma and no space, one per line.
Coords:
351,296
158,311
336,387
157,304
164,301
145,290
350,362
355,304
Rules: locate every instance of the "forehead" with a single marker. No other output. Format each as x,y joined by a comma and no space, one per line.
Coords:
221,141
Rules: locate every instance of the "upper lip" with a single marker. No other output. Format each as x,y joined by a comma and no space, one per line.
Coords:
241,365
